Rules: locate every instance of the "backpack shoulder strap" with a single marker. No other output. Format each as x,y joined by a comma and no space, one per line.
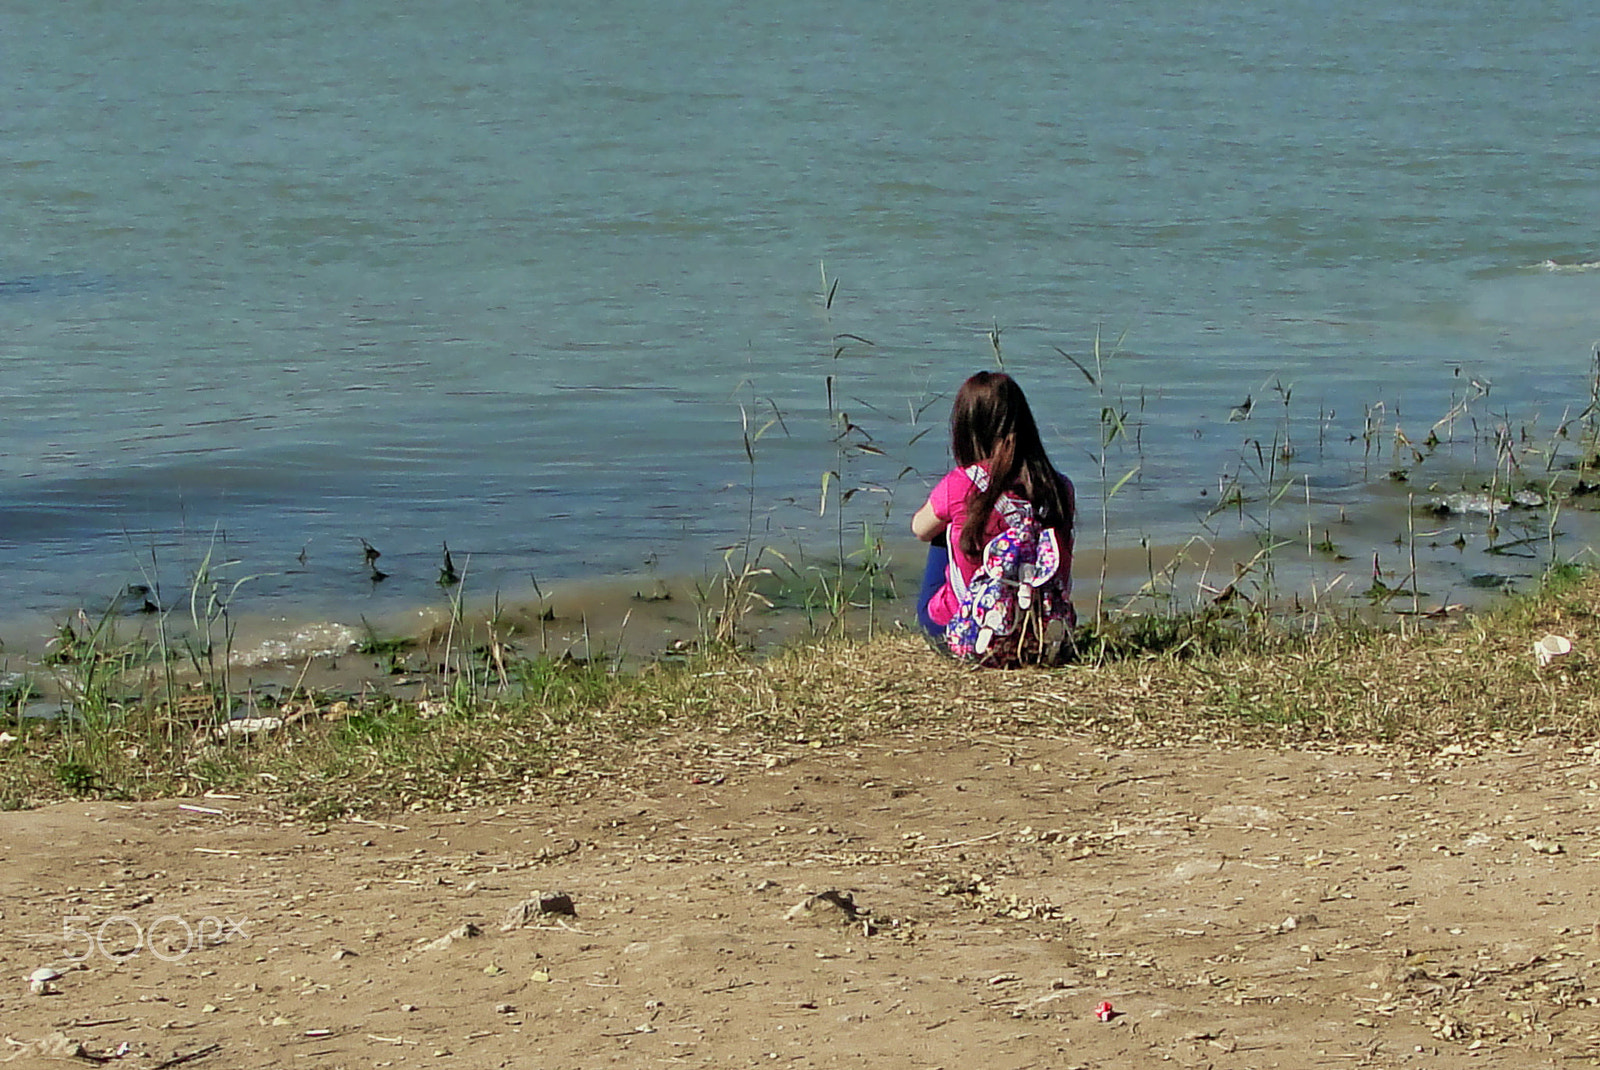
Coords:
958,582
1013,509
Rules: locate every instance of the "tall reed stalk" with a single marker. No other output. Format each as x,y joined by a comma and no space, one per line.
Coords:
1113,426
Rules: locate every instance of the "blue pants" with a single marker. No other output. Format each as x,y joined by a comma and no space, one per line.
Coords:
934,575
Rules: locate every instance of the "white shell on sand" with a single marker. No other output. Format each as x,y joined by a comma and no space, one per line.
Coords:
39,980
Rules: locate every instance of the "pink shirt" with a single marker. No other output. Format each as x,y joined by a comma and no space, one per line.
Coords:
949,501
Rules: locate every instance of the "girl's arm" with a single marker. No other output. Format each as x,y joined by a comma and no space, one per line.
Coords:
927,525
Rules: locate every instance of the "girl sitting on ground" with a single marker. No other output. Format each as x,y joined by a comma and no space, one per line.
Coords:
1000,465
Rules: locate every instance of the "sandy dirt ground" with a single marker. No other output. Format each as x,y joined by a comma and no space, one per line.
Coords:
1237,908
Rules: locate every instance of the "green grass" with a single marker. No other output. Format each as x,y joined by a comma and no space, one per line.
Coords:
1143,681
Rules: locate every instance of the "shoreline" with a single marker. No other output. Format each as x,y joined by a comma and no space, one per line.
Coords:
636,619
1371,518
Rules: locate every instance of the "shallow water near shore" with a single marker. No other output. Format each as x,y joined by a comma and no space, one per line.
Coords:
1434,566
279,280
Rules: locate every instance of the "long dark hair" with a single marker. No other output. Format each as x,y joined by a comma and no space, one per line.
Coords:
991,424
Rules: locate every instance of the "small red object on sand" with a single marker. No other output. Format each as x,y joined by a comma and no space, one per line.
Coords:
1104,1011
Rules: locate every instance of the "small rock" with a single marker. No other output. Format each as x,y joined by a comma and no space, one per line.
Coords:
1297,921
1465,504
246,727
504,1008
409,1008
825,907
53,1046
343,953
464,931
541,905
1243,815
1197,867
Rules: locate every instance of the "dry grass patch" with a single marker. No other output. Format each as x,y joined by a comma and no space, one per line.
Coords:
546,724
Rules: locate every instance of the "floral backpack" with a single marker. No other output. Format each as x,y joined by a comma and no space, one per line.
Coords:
1018,591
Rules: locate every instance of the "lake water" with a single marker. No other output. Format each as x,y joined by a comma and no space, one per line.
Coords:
275,278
